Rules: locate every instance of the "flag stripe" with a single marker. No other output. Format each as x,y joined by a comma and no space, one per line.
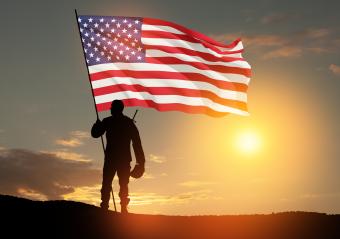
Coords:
147,27
170,91
185,57
202,66
205,56
184,30
171,83
230,77
169,75
188,38
185,44
168,99
166,107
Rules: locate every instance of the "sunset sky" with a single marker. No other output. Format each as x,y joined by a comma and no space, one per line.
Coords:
285,156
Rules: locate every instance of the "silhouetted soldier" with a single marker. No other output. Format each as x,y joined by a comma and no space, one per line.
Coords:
120,131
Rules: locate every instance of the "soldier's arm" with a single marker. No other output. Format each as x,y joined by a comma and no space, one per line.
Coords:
98,129
137,146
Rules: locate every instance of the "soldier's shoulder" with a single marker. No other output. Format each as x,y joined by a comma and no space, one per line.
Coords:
107,119
130,122
127,119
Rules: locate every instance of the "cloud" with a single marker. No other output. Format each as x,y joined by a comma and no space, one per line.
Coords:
73,142
80,134
75,139
145,198
266,40
275,18
320,195
318,50
193,183
283,52
289,45
92,195
315,33
40,175
148,176
67,155
29,193
254,40
335,69
157,158
87,194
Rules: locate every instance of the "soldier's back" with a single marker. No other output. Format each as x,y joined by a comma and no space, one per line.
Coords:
119,133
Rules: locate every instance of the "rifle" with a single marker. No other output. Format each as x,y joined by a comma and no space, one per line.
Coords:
133,118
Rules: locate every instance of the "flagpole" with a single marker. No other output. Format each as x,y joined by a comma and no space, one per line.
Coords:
88,74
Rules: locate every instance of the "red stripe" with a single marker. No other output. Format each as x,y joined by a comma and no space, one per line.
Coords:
165,107
203,55
169,75
218,68
171,91
188,38
196,34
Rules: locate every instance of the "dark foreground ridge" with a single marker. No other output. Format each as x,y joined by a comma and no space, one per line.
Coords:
23,218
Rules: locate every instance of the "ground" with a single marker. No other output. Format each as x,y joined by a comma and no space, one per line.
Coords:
67,219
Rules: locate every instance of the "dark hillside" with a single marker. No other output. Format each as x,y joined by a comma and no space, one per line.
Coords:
22,218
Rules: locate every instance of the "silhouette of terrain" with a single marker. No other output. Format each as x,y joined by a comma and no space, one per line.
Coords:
67,219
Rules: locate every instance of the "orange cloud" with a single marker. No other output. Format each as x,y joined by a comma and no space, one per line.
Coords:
316,32
318,50
66,155
157,158
195,183
310,40
76,139
30,193
144,198
277,18
284,52
42,176
254,40
73,142
92,195
335,69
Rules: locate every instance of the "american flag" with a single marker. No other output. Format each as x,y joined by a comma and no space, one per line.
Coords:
154,63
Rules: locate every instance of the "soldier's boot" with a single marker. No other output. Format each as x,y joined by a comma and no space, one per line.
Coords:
123,205
104,205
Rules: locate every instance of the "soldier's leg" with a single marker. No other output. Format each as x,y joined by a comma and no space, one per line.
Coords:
123,172
108,174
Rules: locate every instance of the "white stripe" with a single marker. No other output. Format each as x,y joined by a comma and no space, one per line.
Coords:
146,27
239,46
184,57
164,99
229,77
181,84
181,43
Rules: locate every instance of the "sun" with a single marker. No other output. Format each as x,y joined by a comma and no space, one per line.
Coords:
248,142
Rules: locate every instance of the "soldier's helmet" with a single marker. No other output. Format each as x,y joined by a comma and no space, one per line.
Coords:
137,171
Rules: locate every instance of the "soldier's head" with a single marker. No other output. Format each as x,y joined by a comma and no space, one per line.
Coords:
117,107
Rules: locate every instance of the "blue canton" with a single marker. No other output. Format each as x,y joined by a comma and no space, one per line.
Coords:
111,39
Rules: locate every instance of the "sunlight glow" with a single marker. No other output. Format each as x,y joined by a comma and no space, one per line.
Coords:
248,142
